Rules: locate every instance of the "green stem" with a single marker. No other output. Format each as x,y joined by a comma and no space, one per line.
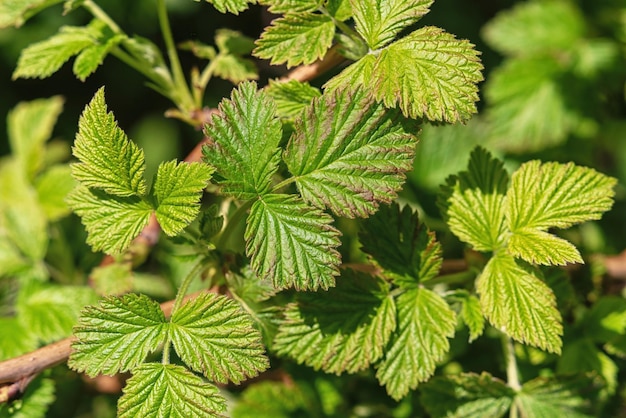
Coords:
100,14
454,278
205,77
512,372
232,224
184,286
185,99
283,183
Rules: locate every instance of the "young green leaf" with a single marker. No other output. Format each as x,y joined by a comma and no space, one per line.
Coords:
233,42
29,126
244,140
290,6
214,336
234,68
515,300
272,400
404,248
355,76
90,58
425,322
51,311
429,74
296,39
291,97
348,153
16,338
111,222
471,312
466,395
16,12
342,330
117,334
167,390
231,6
52,187
479,191
177,191
108,159
379,22
292,243
539,247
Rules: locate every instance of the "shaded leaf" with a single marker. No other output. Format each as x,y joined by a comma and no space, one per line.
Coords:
291,97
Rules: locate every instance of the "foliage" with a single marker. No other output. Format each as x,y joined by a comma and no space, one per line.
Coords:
374,242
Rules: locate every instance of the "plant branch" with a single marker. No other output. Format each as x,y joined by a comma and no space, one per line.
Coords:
512,372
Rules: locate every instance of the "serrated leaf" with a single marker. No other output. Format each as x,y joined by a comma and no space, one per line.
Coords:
111,222
167,390
244,142
405,249
117,334
108,159
177,191
339,9
550,397
349,154
51,311
557,195
342,330
213,335
292,243
271,400
234,68
44,58
16,12
521,305
355,76
466,395
52,187
378,22
296,39
233,42
539,247
535,27
425,322
291,97
290,6
429,74
90,58
471,312
29,126
479,191
231,6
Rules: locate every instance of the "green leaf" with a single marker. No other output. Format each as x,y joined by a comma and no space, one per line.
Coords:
244,140
177,191
292,243
90,58
339,9
167,390
234,69
583,356
109,160
233,42
521,305
52,187
50,311
342,330
16,338
378,22
117,334
296,39
534,27
290,6
271,400
111,222
479,191
355,76
471,312
38,396
16,12
551,397
214,336
405,249
348,153
112,279
29,126
466,395
428,74
231,6
425,322
291,97
42,59
606,320
538,247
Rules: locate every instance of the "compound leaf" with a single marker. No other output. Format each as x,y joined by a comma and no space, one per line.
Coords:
517,302
112,222
167,390
292,243
466,395
342,330
108,159
244,138
296,39
557,195
479,191
404,248
213,335
177,191
425,322
117,334
378,22
348,153
291,97
429,74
